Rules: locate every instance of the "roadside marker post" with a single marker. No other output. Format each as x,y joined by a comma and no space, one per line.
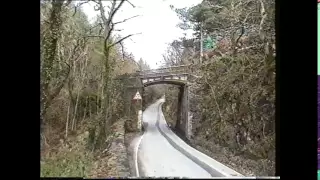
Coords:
138,98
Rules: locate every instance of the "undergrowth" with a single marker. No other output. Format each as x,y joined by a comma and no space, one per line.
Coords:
232,106
69,159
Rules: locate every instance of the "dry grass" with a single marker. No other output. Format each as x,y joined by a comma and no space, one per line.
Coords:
75,158
239,161
68,159
237,105
114,161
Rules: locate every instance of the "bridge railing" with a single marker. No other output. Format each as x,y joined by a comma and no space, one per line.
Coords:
172,69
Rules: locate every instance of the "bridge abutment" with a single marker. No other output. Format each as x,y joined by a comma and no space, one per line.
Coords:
183,124
172,75
132,85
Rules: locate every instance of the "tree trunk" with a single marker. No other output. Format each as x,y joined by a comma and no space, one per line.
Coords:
50,44
75,111
67,122
85,110
90,111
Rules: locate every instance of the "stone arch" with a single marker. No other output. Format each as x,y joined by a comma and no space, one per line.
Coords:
172,82
183,124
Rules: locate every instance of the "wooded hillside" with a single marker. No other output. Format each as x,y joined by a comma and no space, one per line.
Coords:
80,100
232,100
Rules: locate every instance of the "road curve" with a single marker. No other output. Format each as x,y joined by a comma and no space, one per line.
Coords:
158,158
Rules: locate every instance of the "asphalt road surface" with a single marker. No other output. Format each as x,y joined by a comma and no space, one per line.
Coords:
156,156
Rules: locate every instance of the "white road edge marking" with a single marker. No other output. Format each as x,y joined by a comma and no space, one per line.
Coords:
136,156
227,175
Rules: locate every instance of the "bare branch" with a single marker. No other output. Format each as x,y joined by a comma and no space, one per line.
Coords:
132,40
108,36
68,2
95,36
114,11
245,19
216,6
108,22
57,90
122,39
68,65
122,49
242,32
263,17
99,24
126,19
131,4
77,6
44,21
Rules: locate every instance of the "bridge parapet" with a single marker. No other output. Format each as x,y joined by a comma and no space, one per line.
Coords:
178,74
172,69
179,78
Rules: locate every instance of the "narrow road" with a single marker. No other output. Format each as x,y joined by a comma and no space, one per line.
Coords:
157,157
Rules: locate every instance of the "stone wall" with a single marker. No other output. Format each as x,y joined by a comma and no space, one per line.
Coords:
194,108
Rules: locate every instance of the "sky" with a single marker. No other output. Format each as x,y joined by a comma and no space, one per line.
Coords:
156,23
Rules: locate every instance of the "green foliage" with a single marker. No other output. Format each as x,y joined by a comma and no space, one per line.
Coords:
226,17
69,164
69,160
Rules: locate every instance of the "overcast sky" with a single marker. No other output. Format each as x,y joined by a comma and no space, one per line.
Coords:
157,23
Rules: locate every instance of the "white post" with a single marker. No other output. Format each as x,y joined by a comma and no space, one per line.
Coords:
140,120
201,43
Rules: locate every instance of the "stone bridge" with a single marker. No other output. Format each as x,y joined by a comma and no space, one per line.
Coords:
175,75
